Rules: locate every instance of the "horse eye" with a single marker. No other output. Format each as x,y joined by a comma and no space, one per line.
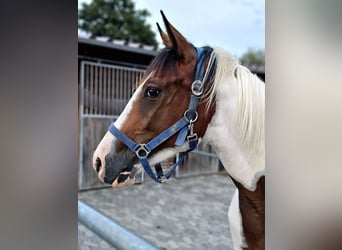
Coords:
152,92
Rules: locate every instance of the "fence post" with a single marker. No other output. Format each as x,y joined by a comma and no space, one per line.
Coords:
81,112
107,229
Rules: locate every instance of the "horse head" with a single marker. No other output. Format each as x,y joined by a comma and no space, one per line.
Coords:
161,99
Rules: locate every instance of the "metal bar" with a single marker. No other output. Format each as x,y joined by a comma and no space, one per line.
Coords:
107,86
122,93
91,92
81,173
100,90
115,66
96,82
96,60
116,90
85,88
128,84
107,229
113,81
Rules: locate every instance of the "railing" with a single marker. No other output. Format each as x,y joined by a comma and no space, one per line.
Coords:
104,92
116,235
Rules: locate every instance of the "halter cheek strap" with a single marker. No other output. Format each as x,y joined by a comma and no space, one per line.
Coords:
183,126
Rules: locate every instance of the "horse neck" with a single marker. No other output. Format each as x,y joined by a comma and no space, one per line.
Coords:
252,210
236,134
224,133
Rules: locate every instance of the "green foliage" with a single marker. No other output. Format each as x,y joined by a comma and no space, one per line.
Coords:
116,19
253,57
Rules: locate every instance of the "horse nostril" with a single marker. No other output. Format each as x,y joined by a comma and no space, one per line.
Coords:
98,164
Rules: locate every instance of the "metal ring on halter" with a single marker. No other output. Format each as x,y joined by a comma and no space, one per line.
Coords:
196,88
142,151
191,120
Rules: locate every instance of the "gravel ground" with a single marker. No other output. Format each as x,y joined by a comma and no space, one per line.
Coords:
184,213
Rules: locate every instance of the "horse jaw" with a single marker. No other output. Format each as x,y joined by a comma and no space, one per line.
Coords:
158,157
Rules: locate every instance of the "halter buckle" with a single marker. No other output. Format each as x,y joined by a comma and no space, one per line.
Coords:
142,151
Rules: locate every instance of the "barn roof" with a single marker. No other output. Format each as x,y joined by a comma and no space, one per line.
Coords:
120,52
115,51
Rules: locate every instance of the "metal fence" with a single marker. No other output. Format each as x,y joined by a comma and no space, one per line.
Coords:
104,92
116,235
106,88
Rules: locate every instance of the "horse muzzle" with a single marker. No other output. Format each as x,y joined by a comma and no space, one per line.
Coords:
119,172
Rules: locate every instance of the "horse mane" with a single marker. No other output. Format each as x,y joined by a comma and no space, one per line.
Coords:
249,117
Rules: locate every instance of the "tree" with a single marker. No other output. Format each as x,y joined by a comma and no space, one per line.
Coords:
253,57
116,19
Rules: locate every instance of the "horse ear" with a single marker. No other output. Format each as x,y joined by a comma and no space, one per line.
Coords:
164,37
175,39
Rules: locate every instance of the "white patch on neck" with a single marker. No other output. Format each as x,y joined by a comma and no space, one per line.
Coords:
235,223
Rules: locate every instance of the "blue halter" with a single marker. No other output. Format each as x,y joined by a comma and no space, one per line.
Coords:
184,126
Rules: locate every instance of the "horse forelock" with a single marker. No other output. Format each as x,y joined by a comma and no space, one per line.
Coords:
164,63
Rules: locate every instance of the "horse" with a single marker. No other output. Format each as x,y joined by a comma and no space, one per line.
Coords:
187,95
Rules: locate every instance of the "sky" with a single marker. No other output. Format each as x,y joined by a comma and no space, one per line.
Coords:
235,25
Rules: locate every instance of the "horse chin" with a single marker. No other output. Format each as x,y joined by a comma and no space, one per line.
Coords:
124,179
127,178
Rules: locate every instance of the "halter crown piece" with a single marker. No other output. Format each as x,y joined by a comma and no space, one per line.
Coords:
184,126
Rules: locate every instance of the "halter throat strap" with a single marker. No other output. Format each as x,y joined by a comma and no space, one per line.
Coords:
184,126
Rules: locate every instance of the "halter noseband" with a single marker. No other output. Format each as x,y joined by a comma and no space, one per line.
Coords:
184,126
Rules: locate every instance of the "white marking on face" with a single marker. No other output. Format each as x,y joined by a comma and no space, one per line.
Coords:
161,155
108,141
123,116
235,223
